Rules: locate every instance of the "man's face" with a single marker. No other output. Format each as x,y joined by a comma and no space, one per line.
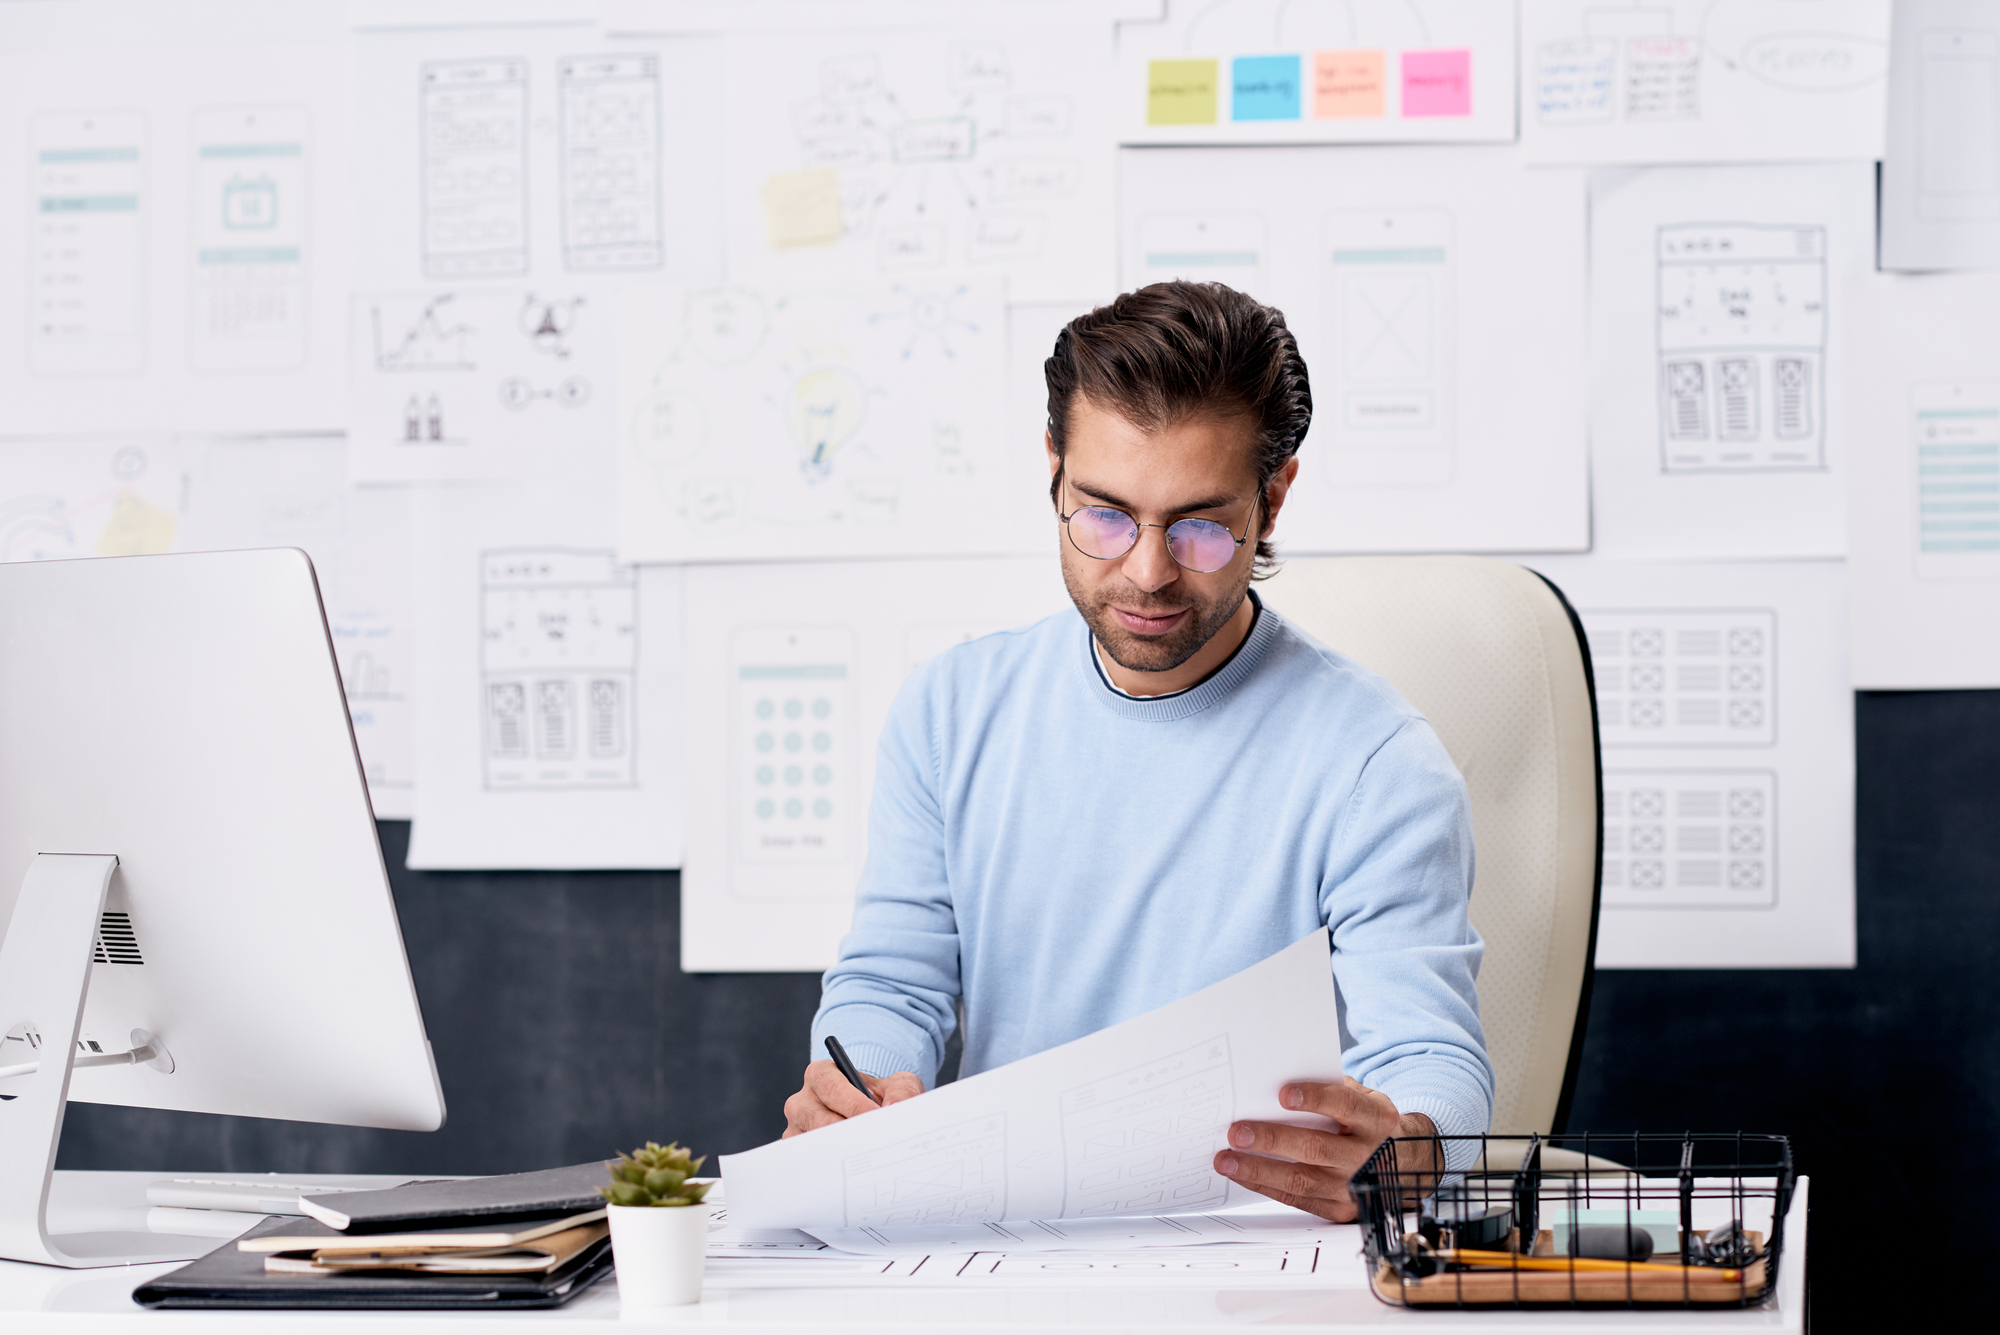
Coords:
1149,613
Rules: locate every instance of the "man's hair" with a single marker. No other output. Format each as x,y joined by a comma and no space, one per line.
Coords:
1175,351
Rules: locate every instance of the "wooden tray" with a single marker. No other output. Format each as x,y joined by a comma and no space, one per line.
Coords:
1506,1288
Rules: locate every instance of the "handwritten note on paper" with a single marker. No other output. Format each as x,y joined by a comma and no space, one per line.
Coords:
1437,83
1181,92
1123,1121
1347,85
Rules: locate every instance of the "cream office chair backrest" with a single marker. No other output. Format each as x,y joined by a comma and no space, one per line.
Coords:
1493,657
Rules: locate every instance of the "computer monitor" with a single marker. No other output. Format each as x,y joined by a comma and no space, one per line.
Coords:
198,916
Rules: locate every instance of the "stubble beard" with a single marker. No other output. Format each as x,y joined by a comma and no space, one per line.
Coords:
1162,653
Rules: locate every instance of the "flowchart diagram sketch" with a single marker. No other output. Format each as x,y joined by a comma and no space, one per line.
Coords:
1694,81
1668,677
474,117
1955,449
788,767
1690,838
1141,1139
612,216
87,270
558,658
252,168
951,1175
1742,335
1390,316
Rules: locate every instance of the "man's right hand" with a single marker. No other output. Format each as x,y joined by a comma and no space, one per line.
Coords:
828,1098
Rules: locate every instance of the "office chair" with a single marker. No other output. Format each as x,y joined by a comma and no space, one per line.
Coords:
1495,658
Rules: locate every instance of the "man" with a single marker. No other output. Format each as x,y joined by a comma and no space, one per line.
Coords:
1078,822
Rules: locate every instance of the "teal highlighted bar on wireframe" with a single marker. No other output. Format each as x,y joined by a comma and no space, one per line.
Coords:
252,150
88,155
91,204
251,255
1392,255
1196,259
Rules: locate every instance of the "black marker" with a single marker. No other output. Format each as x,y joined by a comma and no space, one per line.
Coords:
846,1065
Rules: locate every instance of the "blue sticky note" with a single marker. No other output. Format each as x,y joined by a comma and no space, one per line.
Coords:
1265,88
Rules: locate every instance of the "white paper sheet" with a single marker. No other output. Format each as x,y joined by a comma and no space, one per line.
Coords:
550,679
1438,298
1728,733
1193,1268
175,195
1126,1119
1941,168
863,155
657,16
293,492
1695,81
145,495
1272,72
840,422
1271,1225
1924,509
1716,407
775,845
541,155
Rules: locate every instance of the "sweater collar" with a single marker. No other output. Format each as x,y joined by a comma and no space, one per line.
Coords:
1182,704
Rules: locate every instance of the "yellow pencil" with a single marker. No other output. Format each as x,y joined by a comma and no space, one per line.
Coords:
1592,1264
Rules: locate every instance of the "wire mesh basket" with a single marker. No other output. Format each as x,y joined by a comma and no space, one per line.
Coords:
1642,1220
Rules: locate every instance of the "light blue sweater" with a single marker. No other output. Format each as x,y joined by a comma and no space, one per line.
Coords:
1063,857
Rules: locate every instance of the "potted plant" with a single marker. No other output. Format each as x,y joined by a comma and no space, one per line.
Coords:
659,1230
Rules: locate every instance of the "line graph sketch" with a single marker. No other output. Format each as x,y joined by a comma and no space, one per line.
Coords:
1691,838
558,660
837,421
906,153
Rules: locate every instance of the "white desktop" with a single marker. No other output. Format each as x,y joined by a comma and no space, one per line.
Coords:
198,914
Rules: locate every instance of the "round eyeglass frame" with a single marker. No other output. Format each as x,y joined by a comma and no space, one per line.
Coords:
1169,529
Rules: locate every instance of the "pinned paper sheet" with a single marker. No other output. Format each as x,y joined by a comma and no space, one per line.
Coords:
803,208
1123,1121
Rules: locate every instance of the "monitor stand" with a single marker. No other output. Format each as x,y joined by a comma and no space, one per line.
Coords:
44,976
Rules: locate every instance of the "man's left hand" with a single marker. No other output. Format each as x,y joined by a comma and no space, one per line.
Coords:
1323,1161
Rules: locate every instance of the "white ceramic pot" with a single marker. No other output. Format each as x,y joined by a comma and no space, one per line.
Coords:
659,1251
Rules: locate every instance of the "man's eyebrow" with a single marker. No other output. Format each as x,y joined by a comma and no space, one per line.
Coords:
1188,507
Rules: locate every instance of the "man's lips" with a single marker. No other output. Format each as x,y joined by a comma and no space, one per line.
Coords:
1158,623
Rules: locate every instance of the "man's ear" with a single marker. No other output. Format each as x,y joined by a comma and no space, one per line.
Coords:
1049,446
1275,493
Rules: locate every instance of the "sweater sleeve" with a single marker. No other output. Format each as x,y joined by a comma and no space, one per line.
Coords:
1405,952
891,997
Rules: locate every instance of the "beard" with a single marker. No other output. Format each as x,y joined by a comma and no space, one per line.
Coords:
1153,653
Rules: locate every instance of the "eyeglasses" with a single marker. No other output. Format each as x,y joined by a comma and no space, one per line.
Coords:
1200,546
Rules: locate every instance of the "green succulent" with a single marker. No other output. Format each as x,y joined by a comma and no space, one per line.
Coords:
656,1175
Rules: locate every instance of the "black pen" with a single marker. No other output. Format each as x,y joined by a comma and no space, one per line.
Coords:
846,1065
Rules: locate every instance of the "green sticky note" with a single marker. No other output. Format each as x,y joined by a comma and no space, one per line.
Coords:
1181,92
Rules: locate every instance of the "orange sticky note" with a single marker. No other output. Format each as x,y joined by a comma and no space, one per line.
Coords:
1347,84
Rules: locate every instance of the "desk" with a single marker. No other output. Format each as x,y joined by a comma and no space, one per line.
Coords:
42,1300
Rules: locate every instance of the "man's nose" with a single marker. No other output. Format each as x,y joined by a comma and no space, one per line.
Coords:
1149,566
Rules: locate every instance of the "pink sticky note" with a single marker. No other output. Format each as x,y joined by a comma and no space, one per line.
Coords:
1437,83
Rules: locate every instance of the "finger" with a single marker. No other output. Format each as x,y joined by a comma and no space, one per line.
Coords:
1303,1186
1306,1144
895,1088
1354,1106
824,1081
1340,1212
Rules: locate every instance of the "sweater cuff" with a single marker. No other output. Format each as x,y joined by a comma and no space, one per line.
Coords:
1454,1112
882,1061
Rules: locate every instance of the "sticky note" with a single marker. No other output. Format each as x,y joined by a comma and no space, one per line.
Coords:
1181,92
1437,83
1347,84
803,208
1264,88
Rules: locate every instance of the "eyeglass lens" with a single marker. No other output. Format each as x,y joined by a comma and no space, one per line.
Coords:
1199,545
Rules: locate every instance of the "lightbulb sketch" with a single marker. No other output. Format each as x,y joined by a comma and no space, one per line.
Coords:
825,410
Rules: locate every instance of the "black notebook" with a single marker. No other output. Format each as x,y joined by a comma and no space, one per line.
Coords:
550,1193
228,1278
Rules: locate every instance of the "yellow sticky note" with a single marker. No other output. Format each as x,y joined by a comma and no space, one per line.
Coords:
136,529
803,208
1181,92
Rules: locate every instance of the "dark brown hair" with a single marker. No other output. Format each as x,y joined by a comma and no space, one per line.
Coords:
1174,351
